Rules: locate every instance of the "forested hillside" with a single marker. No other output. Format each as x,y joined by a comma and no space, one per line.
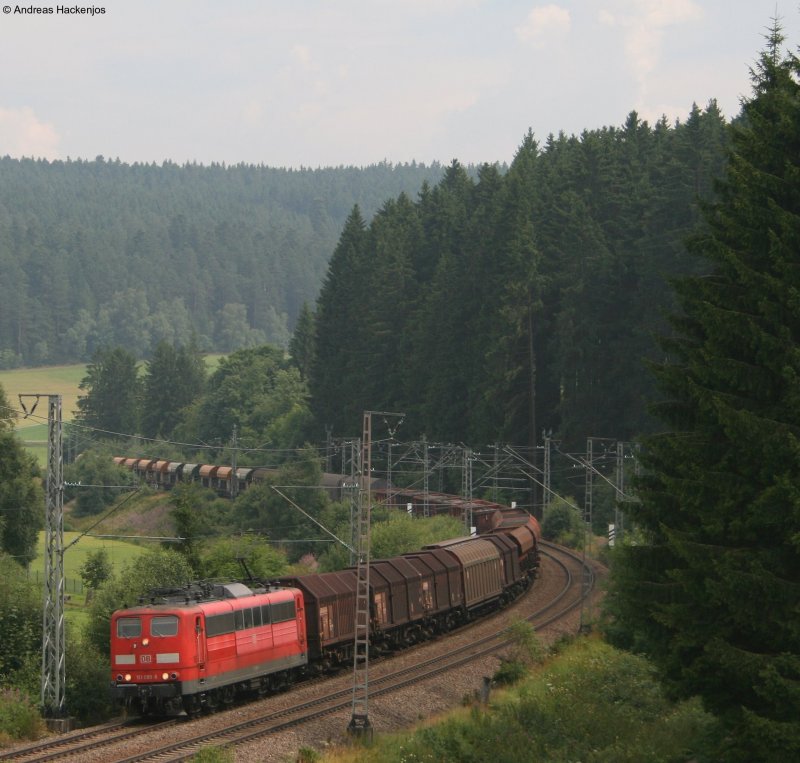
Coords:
100,253
496,307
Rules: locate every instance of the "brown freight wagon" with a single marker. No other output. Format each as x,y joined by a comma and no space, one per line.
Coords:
481,568
447,576
523,532
413,584
508,557
208,475
330,600
389,596
158,470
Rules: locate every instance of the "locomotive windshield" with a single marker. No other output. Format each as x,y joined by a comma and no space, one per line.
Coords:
164,626
129,627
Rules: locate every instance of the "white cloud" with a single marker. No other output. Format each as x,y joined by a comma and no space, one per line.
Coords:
23,134
302,54
644,22
544,23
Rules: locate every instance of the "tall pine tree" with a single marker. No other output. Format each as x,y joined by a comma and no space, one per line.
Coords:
712,594
174,378
112,392
336,367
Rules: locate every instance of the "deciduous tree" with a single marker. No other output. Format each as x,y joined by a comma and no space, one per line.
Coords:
21,495
20,619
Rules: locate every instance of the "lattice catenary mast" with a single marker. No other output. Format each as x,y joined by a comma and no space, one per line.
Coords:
53,628
359,721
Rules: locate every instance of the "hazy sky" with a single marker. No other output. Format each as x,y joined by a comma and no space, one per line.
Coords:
313,83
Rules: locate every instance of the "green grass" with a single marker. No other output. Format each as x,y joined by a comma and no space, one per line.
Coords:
48,380
53,380
212,361
119,553
589,702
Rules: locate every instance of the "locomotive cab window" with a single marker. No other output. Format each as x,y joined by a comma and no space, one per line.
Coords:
129,627
282,611
164,626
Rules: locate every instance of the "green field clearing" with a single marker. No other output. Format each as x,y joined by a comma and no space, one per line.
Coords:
48,380
119,553
51,380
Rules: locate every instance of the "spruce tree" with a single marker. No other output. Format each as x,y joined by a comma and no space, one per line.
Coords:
112,392
712,593
303,342
504,386
174,378
336,368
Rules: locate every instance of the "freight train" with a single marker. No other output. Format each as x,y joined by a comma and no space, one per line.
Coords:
227,481
198,647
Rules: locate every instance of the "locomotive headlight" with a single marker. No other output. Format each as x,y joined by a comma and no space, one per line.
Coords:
173,676
127,676
145,641
164,676
119,677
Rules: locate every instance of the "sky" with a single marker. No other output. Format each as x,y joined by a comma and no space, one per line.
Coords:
291,83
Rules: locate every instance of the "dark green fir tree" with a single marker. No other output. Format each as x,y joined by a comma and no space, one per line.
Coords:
302,345
712,593
112,392
336,368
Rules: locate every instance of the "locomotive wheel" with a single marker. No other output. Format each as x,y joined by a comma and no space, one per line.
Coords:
191,704
212,701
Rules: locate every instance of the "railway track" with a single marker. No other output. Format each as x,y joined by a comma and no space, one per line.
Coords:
124,744
80,742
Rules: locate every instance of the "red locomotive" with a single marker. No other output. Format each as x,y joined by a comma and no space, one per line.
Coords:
199,646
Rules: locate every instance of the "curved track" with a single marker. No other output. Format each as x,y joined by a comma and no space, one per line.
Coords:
174,741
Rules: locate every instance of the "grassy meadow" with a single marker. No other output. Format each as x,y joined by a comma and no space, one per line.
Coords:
119,553
47,380
50,380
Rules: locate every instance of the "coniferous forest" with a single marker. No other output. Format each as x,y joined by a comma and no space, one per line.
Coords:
98,254
497,306
489,303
